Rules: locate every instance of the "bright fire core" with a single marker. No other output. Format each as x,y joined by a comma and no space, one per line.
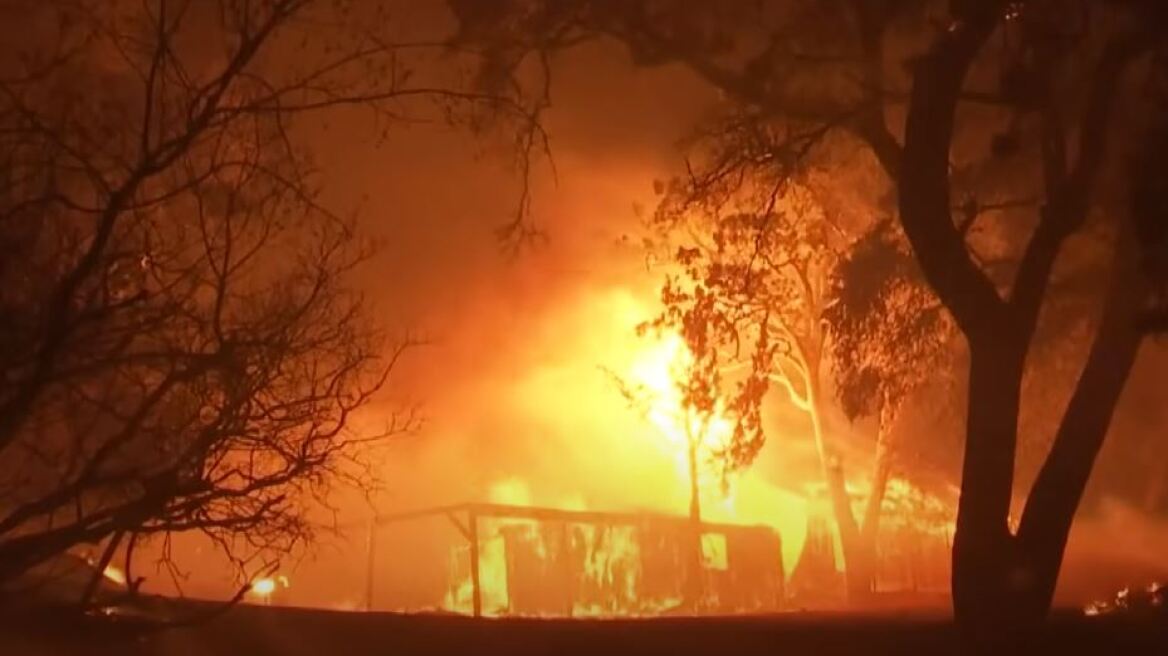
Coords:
648,452
600,452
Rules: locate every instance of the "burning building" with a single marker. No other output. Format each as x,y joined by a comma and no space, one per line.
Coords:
585,514
529,561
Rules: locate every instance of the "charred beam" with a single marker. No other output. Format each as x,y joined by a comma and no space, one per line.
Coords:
472,521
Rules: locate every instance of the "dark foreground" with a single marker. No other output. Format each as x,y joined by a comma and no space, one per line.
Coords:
256,631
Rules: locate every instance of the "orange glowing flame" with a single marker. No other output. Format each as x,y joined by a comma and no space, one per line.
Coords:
743,498
649,453
265,587
114,574
658,369
647,445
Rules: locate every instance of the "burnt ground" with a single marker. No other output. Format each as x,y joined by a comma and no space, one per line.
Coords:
256,631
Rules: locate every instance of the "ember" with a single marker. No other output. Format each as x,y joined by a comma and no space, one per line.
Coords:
1148,600
265,588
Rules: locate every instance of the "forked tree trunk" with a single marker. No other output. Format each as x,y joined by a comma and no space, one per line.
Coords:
857,544
1003,584
849,533
870,528
858,538
857,541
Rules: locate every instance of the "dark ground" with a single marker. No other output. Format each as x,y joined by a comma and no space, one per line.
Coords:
256,631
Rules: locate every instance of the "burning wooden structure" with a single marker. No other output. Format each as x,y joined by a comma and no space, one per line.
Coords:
531,561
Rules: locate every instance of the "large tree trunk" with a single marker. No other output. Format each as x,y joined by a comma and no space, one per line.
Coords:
870,528
1002,584
837,491
858,584
881,472
857,542
1054,499
982,544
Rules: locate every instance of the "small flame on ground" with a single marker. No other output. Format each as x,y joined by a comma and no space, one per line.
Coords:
265,587
114,574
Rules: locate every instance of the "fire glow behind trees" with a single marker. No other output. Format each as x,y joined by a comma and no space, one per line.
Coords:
789,339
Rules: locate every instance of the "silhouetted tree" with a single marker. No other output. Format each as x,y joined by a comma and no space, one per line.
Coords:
790,300
180,346
1009,106
749,302
889,339
1005,579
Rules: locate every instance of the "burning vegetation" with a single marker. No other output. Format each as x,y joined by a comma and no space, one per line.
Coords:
721,540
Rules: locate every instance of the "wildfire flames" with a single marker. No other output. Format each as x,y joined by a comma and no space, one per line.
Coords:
114,575
657,370
263,589
611,560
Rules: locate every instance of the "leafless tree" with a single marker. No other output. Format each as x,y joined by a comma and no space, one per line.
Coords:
181,347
